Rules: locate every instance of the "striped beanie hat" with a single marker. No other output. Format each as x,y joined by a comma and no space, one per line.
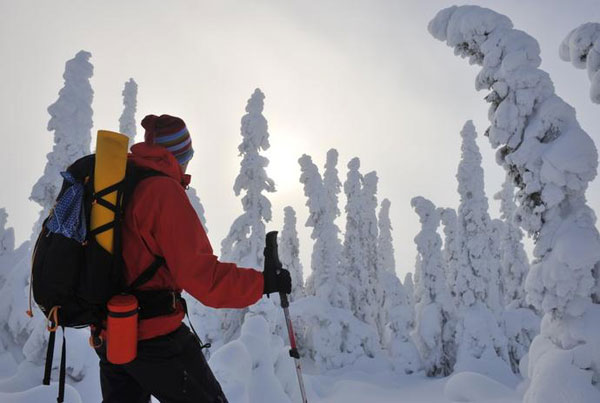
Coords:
169,132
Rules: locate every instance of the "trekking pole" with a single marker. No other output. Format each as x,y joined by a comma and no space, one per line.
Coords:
272,260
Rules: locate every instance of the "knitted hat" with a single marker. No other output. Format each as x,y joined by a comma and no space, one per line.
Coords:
169,132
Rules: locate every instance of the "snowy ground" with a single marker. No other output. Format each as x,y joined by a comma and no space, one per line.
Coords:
346,387
255,368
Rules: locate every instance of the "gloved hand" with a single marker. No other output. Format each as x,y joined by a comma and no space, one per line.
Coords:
277,282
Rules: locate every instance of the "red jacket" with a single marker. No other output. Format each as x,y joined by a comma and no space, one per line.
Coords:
160,221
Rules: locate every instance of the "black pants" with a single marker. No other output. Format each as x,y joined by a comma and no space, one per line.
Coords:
171,368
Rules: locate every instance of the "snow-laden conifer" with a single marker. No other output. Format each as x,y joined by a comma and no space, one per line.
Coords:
521,323
198,207
477,278
206,320
581,47
434,333
397,310
355,260
480,269
7,235
551,160
245,242
326,281
13,297
127,119
289,252
369,233
450,251
385,246
514,261
409,286
71,122
331,181
7,245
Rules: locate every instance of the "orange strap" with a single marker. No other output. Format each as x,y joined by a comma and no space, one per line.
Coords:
95,342
52,320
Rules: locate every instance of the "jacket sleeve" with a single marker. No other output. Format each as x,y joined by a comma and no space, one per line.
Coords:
184,245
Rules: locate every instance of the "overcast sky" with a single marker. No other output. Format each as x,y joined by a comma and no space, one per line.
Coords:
364,77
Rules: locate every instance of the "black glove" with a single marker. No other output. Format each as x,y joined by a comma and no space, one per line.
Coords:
277,281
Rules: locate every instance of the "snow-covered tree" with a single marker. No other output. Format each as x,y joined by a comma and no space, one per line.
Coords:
476,287
331,181
289,252
245,242
127,120
397,311
514,261
369,233
520,322
385,246
7,245
450,251
197,204
409,286
581,47
480,269
71,122
206,320
551,160
497,228
7,235
326,281
355,259
434,333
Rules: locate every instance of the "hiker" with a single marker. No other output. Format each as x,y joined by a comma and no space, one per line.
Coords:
160,221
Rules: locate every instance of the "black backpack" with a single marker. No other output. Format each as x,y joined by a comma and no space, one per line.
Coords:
72,281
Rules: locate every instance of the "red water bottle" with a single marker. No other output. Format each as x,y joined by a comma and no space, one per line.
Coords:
121,329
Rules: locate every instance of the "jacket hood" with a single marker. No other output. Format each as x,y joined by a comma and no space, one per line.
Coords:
159,159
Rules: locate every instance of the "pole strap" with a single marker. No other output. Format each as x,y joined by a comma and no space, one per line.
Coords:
185,309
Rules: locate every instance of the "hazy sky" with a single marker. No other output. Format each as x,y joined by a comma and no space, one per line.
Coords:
364,77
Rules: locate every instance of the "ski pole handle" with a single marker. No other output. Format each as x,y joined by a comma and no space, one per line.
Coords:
272,262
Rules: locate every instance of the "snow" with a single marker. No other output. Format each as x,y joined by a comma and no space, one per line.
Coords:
572,367
434,324
474,387
244,244
71,121
41,394
581,47
127,119
473,312
197,205
326,280
289,251
551,160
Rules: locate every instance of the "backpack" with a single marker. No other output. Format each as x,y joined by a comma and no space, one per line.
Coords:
72,276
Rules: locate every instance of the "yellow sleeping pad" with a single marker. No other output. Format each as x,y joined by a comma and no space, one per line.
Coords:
111,162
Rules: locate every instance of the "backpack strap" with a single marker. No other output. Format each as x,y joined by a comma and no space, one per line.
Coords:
63,364
147,274
63,369
49,357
